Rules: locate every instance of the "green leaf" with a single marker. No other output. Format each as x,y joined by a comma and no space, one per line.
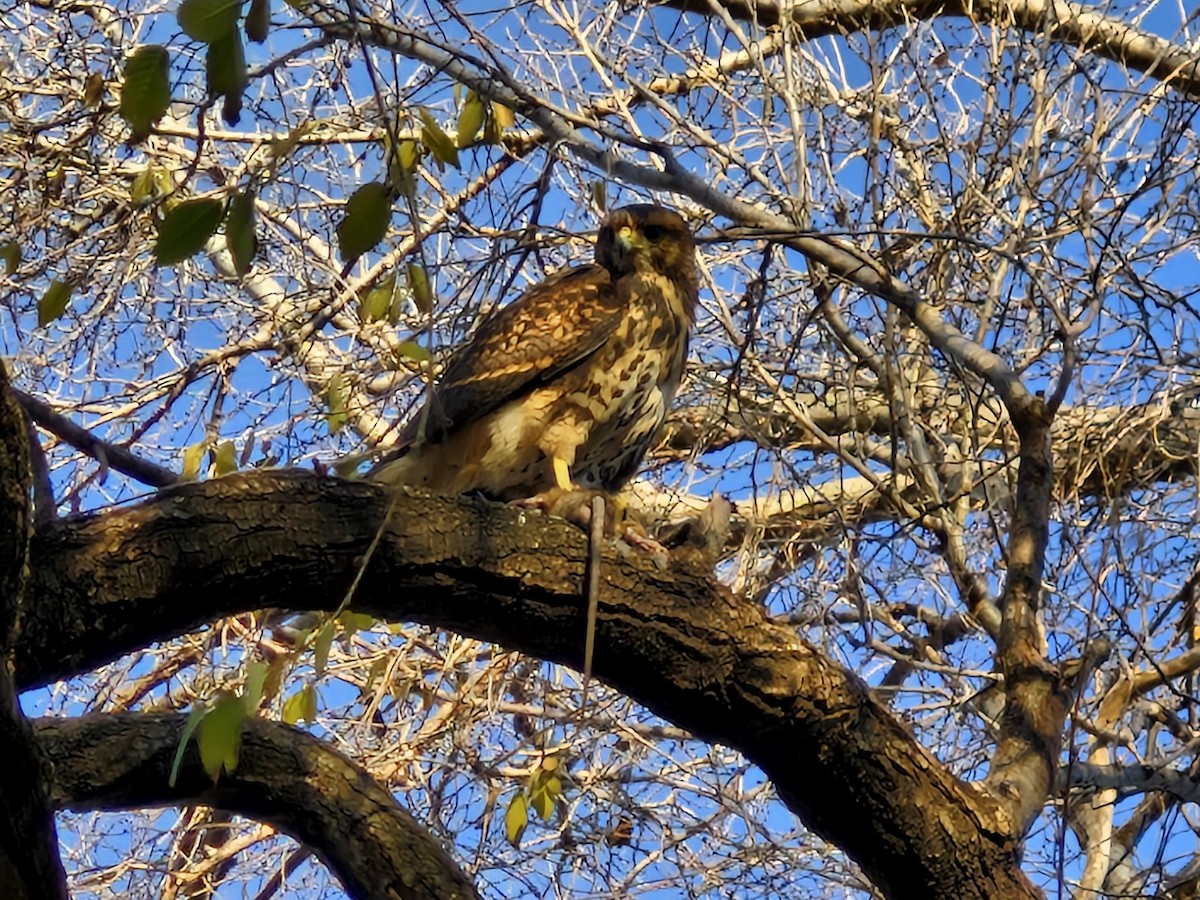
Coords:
258,20
193,456
352,622
195,717
335,400
377,304
146,93
321,645
54,302
226,459
219,737
301,705
144,188
470,119
256,681
516,818
239,232
418,283
208,20
186,229
10,252
367,215
225,66
437,140
412,350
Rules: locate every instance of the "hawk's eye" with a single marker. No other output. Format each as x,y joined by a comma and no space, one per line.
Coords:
654,232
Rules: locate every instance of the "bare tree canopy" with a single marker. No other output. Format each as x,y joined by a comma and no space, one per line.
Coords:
925,625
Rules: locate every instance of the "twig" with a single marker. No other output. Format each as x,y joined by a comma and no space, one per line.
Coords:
81,439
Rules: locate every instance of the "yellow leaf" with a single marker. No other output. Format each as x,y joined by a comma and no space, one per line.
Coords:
470,120
409,154
219,736
544,796
301,705
515,819
193,456
226,458
438,142
503,116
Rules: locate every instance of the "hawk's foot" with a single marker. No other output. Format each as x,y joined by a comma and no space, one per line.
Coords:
575,505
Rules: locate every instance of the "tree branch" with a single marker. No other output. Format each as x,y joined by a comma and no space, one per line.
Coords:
30,868
675,641
1072,24
284,777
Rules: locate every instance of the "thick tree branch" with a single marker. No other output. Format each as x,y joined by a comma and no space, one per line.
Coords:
1072,24
29,865
284,777
1036,700
675,641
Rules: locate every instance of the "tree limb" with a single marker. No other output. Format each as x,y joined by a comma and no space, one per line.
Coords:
30,868
284,777
1072,24
675,641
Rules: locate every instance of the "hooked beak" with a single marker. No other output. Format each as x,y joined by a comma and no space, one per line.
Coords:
626,242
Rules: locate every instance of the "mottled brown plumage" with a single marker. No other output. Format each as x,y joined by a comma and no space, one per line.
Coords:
580,369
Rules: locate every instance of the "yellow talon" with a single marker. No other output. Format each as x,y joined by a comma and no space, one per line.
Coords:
562,475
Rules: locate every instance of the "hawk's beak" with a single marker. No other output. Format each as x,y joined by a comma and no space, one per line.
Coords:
626,242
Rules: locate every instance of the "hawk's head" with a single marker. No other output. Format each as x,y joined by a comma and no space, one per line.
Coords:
646,238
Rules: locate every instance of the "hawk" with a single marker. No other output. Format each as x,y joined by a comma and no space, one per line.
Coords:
567,386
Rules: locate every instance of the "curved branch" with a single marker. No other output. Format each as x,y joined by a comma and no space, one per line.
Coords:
284,777
1068,23
675,641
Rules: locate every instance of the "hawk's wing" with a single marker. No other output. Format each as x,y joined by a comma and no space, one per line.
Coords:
550,328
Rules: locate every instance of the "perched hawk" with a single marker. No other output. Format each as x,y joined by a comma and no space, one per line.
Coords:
567,386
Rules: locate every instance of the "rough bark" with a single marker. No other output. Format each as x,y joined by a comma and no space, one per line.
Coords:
673,640
1073,24
29,865
284,777
1036,701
